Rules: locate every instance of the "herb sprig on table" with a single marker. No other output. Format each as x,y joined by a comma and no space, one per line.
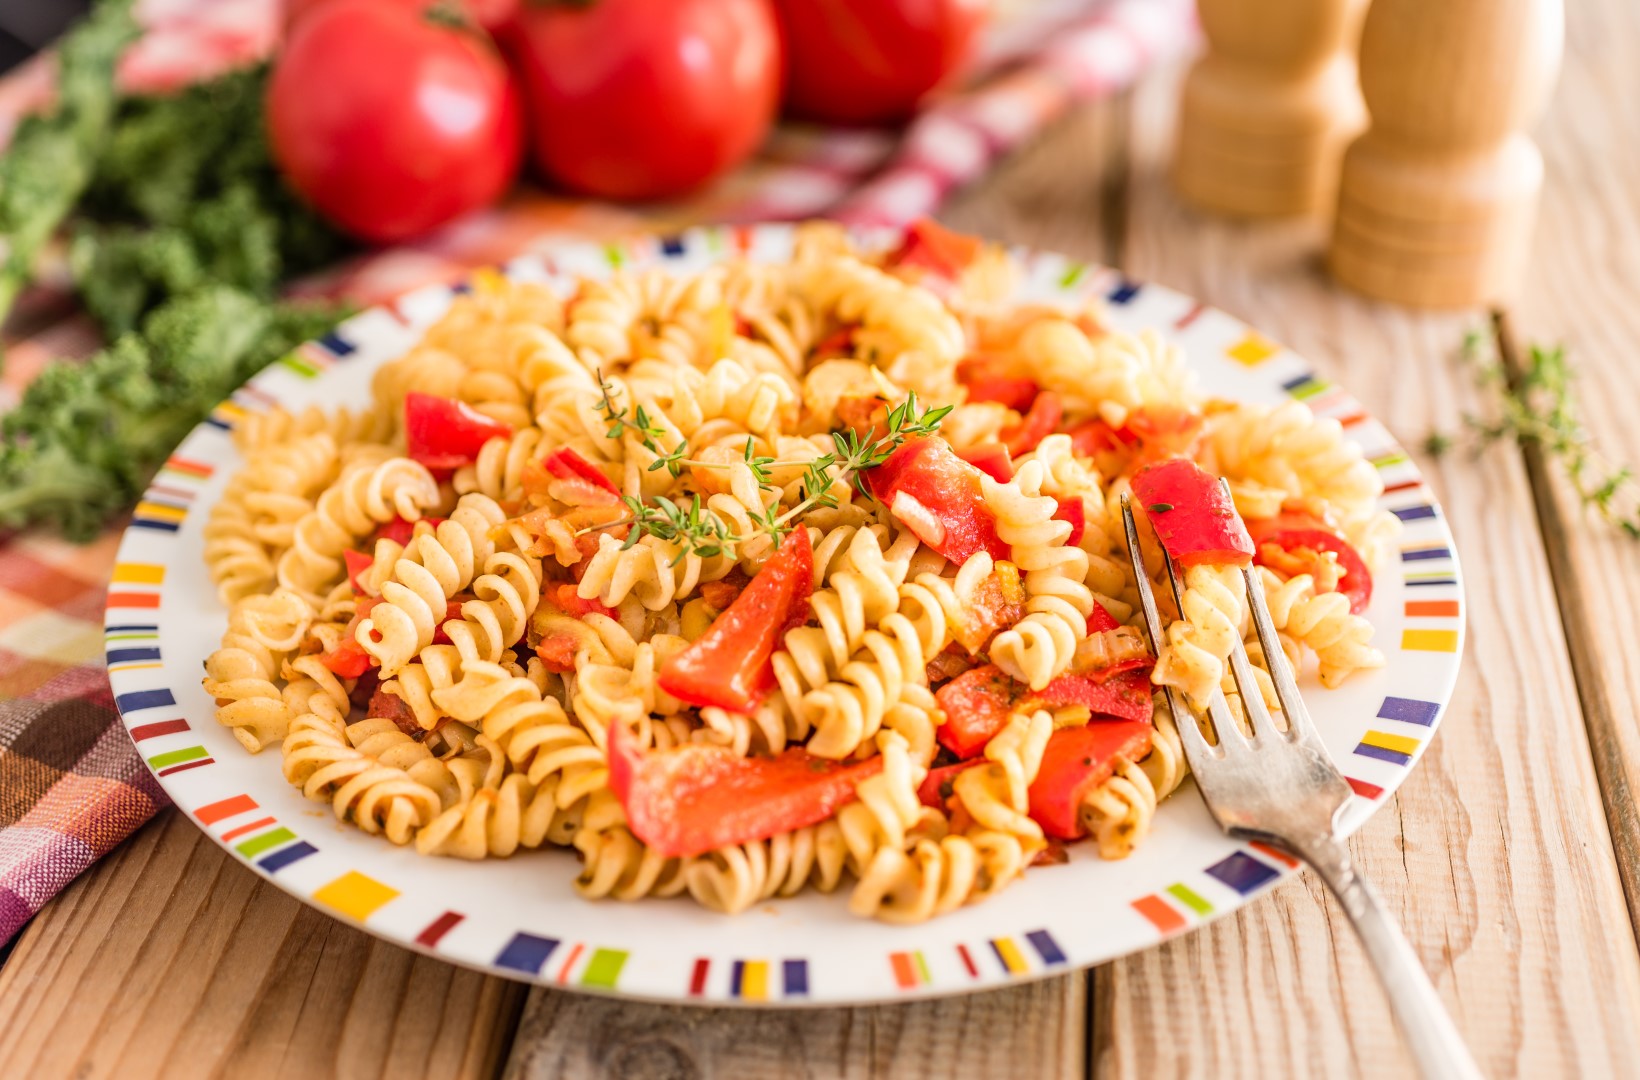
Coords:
181,233
1535,406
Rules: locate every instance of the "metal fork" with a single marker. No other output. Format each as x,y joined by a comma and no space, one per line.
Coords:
1280,788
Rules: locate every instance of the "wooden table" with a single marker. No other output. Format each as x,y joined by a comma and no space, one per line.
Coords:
1511,855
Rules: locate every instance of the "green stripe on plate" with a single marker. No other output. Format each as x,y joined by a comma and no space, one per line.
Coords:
177,757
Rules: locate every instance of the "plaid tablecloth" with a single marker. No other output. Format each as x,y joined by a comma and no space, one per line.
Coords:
71,784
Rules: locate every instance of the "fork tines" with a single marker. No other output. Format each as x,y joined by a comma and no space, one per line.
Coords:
1262,724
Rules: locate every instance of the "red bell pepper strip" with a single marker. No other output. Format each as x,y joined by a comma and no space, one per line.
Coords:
977,705
1293,532
730,666
691,799
1192,513
357,563
1036,425
935,790
1125,696
1075,511
1100,620
443,433
931,247
1093,437
945,504
588,481
1075,762
987,379
991,459
400,531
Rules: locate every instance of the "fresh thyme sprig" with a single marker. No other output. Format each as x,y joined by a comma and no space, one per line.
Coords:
1535,406
699,531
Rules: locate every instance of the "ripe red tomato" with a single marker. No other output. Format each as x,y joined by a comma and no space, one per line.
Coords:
390,122
642,99
490,14
870,61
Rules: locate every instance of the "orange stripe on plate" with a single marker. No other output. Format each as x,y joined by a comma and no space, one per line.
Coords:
133,600
905,972
1162,916
1432,607
1279,856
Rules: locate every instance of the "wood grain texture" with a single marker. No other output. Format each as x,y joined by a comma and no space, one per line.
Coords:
1495,854
1583,290
169,958
1065,193
1035,1030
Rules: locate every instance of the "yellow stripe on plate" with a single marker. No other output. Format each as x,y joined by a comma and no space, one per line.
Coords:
355,895
1383,740
130,573
1429,640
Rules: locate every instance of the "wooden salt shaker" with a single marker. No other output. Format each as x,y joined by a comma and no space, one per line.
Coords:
1438,199
1267,112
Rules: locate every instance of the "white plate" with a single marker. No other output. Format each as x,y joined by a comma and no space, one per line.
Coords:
521,918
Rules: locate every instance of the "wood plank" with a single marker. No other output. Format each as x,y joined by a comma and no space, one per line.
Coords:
170,958
1064,192
1035,1030
1584,291
1495,855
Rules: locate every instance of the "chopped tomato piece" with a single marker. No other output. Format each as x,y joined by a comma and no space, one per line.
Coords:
951,661
1163,430
387,706
935,790
691,799
1076,761
992,459
997,602
936,250
1035,425
1052,854
443,433
569,601
730,666
838,343
987,379
976,706
1193,515
582,477
348,659
1104,654
1125,696
867,417
557,651
1293,532
946,498
1075,511
357,563
364,688
721,593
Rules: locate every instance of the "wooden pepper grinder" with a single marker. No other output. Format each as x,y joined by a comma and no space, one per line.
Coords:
1438,199
1267,112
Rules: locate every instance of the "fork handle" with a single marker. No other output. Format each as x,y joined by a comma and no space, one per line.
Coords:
1437,1048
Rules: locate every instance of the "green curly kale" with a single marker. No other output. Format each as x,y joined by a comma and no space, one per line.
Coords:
186,192
52,156
88,437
